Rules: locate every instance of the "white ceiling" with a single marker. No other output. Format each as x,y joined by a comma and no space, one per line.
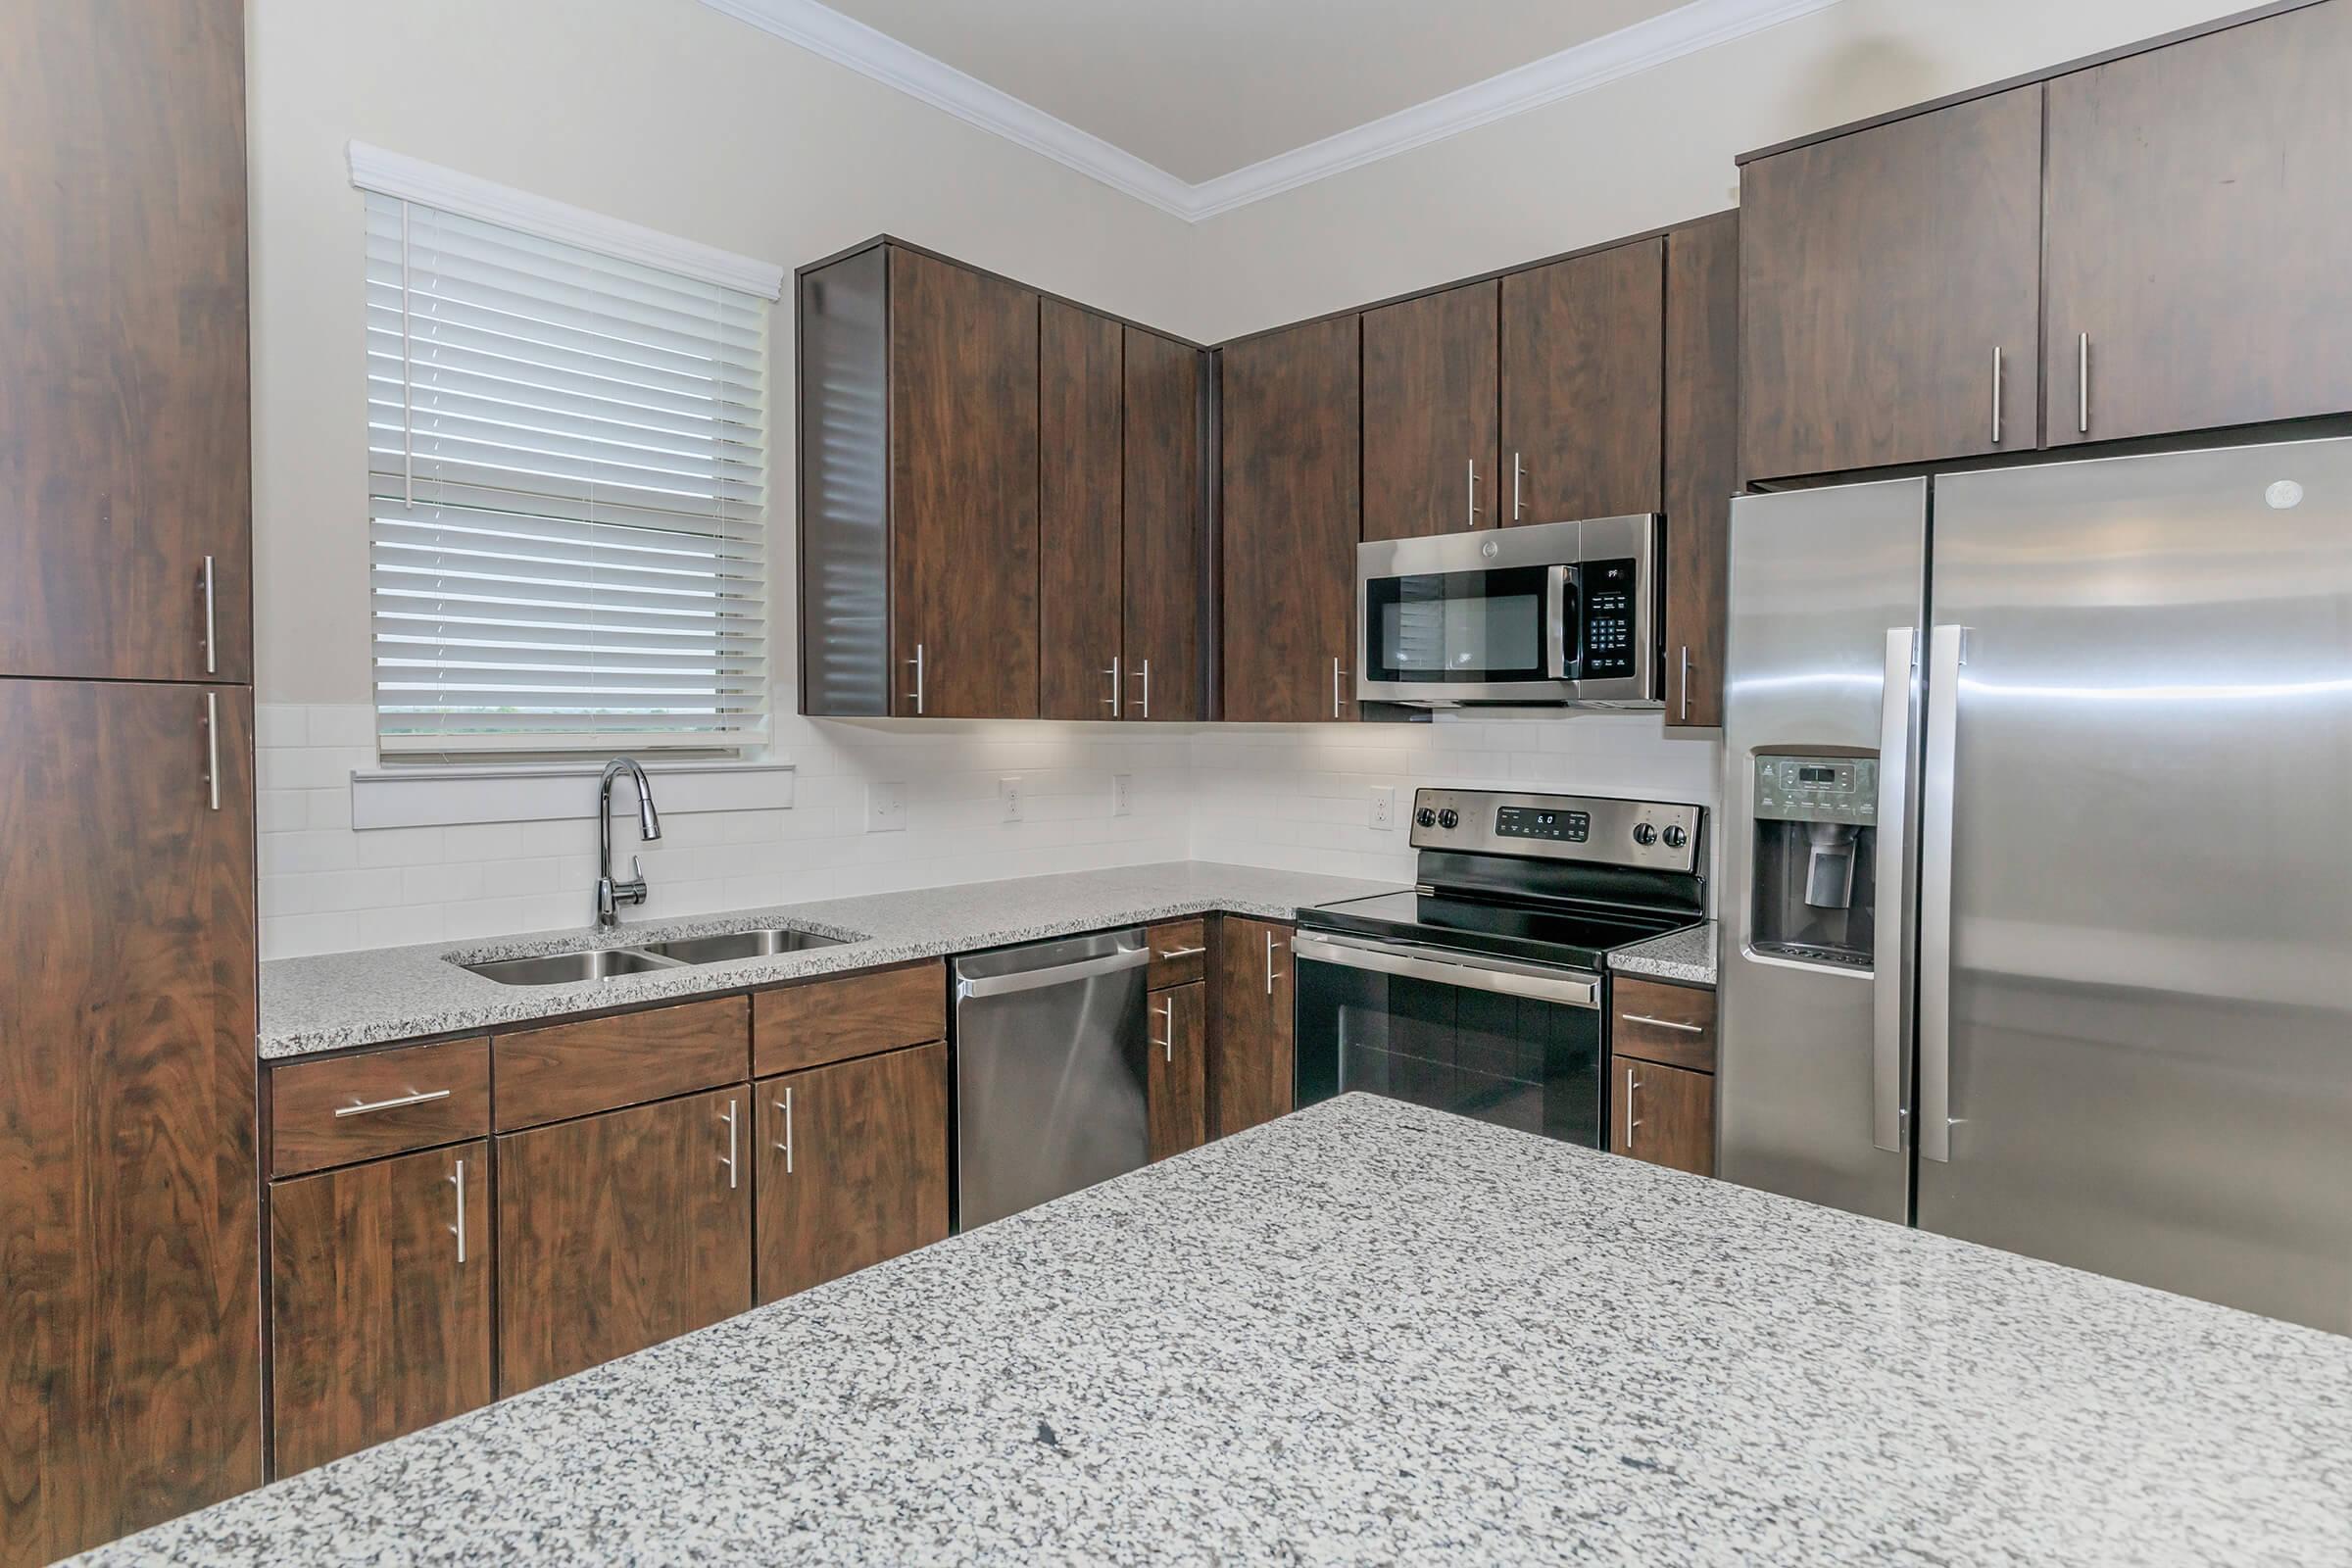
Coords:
1203,87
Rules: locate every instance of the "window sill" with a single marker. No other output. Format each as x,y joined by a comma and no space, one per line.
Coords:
457,793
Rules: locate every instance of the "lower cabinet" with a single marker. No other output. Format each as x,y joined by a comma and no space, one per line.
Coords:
1250,1037
379,1301
1176,1076
853,1165
620,1230
1662,1074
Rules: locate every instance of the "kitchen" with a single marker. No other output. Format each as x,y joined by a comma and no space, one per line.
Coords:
926,916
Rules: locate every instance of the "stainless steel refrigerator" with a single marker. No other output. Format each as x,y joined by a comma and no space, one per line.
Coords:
2037,890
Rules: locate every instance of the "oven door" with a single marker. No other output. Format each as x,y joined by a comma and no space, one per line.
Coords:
1515,1043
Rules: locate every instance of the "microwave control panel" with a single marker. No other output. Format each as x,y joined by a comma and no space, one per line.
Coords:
1818,789
1609,594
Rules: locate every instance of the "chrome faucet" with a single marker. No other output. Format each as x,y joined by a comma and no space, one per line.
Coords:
612,895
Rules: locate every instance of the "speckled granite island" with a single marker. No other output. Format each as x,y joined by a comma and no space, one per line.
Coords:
1366,1332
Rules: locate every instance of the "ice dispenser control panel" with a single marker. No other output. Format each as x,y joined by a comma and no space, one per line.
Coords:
1818,789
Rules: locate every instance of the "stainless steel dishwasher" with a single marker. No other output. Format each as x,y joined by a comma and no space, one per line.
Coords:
1049,1043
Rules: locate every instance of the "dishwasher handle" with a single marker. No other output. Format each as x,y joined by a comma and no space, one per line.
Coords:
1004,985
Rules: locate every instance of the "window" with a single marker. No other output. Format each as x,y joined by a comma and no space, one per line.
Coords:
567,477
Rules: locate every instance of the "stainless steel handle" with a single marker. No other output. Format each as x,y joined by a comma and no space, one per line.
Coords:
1666,1023
1996,394
1118,687
1179,953
211,747
917,693
211,662
1003,985
457,1178
1336,673
1632,1083
729,1161
785,1106
1142,672
1947,652
1167,1015
1896,709
1685,716
1566,987
1516,471
365,1108
1472,520
2083,385
1271,976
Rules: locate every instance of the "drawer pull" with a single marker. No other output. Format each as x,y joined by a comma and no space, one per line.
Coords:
1179,953
363,1108
1665,1023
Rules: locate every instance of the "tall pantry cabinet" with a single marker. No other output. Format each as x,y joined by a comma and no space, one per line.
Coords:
128,1185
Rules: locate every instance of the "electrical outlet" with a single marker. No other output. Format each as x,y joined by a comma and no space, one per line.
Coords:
1383,807
885,807
1009,791
1122,795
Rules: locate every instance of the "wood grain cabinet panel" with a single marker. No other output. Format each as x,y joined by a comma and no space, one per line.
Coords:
1251,1061
130,1390
1166,551
1176,1082
2199,223
1703,460
1879,271
1665,1115
1671,1025
1178,953
852,1015
1081,484
339,1110
125,440
853,1162
575,1069
619,1230
379,1301
1581,386
1293,444
1430,415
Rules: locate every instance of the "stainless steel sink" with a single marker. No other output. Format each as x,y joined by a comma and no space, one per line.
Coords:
560,969
741,945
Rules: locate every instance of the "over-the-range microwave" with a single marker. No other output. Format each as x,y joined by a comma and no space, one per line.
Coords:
1563,613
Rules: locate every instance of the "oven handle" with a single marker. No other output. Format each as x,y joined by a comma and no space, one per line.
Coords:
1566,988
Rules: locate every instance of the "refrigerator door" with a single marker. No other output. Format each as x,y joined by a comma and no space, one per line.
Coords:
1811,1073
2135,954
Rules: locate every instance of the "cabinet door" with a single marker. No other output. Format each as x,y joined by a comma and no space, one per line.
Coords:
1249,1040
2200,218
125,444
1702,459
1665,1115
1581,341
852,1166
963,423
1176,1085
1880,273
1293,442
1080,484
129,1188
619,1230
1167,531
1430,414
379,1301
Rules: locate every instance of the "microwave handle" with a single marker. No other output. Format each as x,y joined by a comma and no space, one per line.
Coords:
1564,624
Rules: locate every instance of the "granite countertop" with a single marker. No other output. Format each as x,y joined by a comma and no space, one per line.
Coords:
1369,1332
356,998
1687,955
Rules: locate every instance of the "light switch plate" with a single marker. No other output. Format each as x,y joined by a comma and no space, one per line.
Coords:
886,807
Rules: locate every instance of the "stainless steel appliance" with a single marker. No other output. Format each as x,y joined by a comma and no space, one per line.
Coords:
2082,735
1049,1047
1484,990
1557,614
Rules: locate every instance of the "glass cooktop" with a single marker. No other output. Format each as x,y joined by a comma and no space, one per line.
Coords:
1570,934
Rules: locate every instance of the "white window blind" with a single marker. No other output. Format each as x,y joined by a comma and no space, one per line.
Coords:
568,494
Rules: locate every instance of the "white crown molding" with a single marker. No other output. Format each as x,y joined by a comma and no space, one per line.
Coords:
430,185
1684,30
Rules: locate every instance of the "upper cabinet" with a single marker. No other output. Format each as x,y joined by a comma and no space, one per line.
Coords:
1166,536
1081,360
1581,386
1889,299
1702,459
1431,432
124,446
2199,254
1292,517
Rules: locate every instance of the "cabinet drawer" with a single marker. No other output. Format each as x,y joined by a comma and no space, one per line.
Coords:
574,1069
1179,951
1674,1025
343,1109
856,1015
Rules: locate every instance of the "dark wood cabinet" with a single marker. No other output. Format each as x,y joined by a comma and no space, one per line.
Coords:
1703,460
1581,386
379,1301
1176,1082
1250,1077
1081,490
1167,531
853,1161
2198,261
1431,430
1881,274
128,1176
621,1230
1665,1115
125,444
1292,450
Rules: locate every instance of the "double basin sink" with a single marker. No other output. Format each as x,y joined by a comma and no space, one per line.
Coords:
648,958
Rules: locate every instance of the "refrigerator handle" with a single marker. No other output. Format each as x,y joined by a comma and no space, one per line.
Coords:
1897,708
1948,651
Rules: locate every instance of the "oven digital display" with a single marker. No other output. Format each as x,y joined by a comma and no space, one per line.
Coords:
1532,822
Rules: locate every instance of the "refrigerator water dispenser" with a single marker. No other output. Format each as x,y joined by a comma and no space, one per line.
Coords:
1816,840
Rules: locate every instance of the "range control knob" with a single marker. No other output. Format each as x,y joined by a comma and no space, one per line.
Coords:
1645,835
1449,818
1426,818
1676,838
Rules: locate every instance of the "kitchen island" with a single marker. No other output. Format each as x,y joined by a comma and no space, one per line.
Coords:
1369,1332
